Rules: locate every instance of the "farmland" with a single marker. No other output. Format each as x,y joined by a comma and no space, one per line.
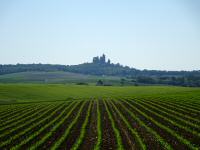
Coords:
34,116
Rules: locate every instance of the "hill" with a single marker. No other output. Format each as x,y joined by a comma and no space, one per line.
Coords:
99,68
56,77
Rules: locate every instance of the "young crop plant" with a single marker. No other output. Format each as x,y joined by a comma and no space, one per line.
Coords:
54,129
169,120
175,113
169,115
42,118
183,103
14,114
133,131
20,115
34,134
83,129
67,131
116,131
6,112
191,104
99,129
186,111
178,109
150,130
180,138
7,108
14,127
20,119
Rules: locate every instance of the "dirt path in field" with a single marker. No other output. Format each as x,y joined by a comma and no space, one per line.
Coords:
91,133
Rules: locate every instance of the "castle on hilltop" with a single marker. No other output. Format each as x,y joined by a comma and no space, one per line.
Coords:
100,60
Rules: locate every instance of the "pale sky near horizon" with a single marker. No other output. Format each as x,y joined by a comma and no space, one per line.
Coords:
157,34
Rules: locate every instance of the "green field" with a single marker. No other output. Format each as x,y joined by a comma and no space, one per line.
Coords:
14,93
56,77
57,116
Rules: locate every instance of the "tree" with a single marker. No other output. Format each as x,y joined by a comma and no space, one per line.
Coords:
99,83
122,81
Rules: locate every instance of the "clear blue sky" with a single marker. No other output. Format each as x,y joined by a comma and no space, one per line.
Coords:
145,34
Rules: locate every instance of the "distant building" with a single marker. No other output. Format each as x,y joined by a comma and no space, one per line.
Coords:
101,60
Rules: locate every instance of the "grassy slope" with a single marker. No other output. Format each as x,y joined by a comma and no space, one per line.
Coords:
13,93
53,77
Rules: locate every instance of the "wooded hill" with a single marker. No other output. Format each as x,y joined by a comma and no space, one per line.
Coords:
100,67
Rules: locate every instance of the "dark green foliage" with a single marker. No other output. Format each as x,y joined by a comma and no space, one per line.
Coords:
122,81
190,81
99,83
6,69
81,83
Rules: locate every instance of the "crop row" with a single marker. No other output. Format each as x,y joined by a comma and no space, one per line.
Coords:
127,123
